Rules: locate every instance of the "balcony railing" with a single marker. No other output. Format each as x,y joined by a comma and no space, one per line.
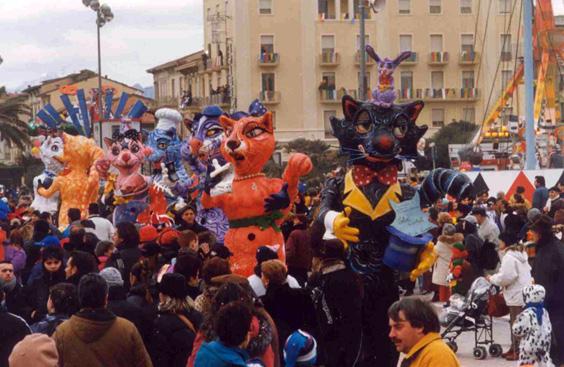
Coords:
336,95
441,94
270,97
438,58
217,99
269,59
369,60
329,58
468,58
506,56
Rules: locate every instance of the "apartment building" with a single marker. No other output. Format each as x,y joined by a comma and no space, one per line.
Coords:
300,57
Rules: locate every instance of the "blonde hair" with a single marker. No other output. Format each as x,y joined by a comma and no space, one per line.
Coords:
175,305
275,271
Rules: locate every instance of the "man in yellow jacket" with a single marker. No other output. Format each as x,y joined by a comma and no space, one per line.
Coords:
414,329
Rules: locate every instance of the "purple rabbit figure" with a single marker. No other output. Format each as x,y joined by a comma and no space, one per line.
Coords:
385,94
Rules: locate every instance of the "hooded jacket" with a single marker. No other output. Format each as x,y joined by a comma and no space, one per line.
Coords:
513,275
216,354
97,338
444,252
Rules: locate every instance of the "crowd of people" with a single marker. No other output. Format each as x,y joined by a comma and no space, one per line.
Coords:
163,294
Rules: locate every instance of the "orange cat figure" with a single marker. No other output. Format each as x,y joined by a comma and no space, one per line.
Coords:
78,183
256,204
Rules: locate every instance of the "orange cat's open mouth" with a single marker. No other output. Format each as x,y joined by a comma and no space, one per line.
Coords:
237,156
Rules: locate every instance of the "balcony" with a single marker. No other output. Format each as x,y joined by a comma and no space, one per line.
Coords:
468,58
438,58
369,61
334,96
412,60
168,101
270,97
329,58
439,95
221,100
506,56
269,59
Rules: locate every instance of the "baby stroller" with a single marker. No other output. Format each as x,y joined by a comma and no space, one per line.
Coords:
470,314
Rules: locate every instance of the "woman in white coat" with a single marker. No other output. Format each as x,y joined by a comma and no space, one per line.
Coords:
513,275
444,250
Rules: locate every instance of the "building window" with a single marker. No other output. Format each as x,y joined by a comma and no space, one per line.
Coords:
505,6
467,43
268,82
469,114
437,80
465,6
366,41
468,79
406,82
326,9
328,48
436,43
506,77
435,6
405,42
345,9
438,117
327,87
505,45
267,49
265,6
327,115
404,6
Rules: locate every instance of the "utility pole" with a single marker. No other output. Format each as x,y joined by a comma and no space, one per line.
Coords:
530,140
362,50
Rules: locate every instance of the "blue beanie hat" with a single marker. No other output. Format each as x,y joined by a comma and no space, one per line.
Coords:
49,241
300,349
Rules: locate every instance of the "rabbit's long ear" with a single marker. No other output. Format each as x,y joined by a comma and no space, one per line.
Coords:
403,56
370,51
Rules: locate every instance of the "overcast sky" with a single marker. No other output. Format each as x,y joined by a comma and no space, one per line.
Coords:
42,39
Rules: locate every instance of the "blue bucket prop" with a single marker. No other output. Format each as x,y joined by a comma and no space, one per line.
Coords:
401,253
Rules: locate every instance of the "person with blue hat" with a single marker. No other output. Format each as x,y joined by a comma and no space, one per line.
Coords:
300,350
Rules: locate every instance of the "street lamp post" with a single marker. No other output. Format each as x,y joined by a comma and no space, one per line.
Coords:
103,15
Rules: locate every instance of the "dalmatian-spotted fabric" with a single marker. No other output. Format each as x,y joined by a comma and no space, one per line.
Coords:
534,346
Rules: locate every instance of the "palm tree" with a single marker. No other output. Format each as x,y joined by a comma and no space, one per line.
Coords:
14,113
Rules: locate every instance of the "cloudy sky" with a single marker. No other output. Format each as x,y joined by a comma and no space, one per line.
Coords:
42,39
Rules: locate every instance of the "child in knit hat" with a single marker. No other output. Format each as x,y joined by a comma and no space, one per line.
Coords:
300,350
534,328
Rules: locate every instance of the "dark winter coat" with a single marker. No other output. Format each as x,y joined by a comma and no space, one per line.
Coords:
172,339
123,260
548,271
49,323
37,293
291,309
12,330
540,196
338,304
16,303
118,305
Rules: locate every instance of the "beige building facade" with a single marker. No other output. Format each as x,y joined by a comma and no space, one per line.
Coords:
299,57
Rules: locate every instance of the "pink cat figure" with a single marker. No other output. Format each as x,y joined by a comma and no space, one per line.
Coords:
385,94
